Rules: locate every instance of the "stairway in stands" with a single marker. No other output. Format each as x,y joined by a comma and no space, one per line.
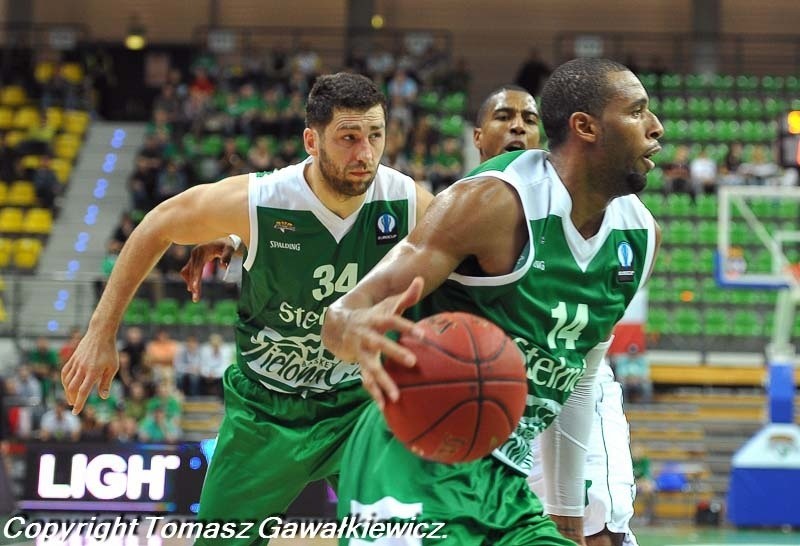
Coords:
61,294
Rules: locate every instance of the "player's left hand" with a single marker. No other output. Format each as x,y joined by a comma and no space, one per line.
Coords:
192,272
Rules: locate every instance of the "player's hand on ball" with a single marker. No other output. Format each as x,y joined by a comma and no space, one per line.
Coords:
364,338
192,272
94,361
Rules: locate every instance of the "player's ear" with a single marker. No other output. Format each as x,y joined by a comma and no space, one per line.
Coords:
311,141
584,126
476,137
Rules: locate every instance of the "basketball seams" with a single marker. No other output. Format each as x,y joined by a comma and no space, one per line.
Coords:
477,362
467,382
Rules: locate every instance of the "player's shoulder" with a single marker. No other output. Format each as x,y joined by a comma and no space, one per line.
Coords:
631,212
529,162
390,184
288,174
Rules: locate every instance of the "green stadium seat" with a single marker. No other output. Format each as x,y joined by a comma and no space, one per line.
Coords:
775,107
792,84
224,313
705,261
726,131
683,261
658,290
751,108
658,321
772,84
716,323
724,108
686,321
722,82
137,312
706,206
666,155
455,103
743,297
212,146
655,179
701,130
700,107
194,314
165,312
707,232
680,232
787,209
649,82
746,324
243,144
452,126
679,205
674,107
747,83
711,293
654,105
671,82
428,101
654,202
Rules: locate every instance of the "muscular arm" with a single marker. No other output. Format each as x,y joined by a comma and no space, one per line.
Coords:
199,214
483,218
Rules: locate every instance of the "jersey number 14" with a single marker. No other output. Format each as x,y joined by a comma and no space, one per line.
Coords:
571,332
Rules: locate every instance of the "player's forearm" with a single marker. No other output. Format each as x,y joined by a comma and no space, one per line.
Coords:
141,252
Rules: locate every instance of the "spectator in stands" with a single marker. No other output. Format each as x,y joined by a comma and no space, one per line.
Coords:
27,391
133,345
730,175
171,181
215,358
91,429
68,347
677,174
703,174
293,117
8,162
380,64
307,62
159,356
259,156
187,366
157,428
122,428
633,373
532,72
46,183
136,403
447,165
39,138
761,169
458,77
43,361
402,91
170,264
59,424
123,229
230,161
201,82
167,101
166,399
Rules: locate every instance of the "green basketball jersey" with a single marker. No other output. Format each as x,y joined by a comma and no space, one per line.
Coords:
566,293
301,258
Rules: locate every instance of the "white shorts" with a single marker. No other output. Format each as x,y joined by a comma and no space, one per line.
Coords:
608,465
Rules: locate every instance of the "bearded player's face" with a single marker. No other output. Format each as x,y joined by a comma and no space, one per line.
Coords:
350,149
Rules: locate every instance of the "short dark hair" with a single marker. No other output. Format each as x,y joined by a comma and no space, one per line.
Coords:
484,109
341,90
579,85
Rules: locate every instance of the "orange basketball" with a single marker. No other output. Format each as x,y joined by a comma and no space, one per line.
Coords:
466,393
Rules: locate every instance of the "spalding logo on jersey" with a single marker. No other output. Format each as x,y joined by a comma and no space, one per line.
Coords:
386,229
625,257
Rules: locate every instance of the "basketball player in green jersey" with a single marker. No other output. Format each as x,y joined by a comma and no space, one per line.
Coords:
312,230
507,121
551,247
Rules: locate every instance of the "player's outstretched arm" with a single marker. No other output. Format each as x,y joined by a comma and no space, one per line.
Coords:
200,214
475,219
192,272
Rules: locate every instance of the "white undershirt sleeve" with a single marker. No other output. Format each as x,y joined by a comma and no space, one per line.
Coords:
565,443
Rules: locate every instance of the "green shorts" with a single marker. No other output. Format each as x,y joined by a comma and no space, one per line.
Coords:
481,503
270,446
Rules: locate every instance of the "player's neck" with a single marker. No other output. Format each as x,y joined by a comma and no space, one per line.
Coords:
588,201
339,204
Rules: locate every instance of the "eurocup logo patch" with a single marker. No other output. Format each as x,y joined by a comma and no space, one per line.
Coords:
625,257
386,229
